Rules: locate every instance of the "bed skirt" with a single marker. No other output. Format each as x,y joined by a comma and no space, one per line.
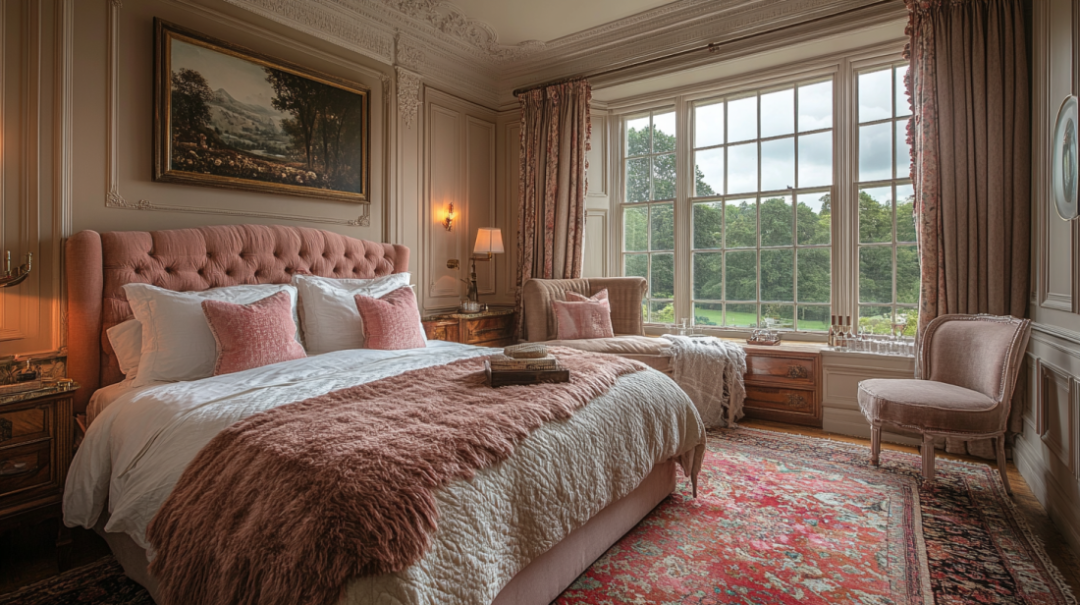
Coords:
539,583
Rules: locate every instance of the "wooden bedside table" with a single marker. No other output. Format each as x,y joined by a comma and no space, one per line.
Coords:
491,328
36,432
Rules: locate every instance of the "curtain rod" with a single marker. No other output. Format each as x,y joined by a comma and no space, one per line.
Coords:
711,47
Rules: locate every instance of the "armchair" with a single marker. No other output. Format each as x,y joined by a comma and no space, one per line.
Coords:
965,375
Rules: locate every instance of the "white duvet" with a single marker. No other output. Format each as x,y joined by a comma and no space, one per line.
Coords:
490,527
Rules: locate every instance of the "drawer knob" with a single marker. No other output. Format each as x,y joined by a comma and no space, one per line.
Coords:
797,371
11,467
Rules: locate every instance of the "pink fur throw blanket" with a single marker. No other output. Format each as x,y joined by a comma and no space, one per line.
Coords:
282,508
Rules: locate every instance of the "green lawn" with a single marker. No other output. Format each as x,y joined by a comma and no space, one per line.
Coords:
748,319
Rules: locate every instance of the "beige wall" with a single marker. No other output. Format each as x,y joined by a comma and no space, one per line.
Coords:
1048,451
77,111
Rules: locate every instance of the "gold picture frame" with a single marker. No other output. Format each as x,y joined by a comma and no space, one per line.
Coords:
227,116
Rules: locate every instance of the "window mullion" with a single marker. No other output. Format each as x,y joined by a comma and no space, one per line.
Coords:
683,213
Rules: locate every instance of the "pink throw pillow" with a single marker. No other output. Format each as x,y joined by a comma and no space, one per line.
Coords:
579,317
391,322
252,335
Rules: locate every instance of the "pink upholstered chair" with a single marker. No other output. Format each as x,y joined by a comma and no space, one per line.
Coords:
964,378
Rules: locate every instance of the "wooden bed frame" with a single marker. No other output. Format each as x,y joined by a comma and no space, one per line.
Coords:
98,265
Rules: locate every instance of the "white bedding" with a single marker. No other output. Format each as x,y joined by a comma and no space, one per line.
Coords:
490,527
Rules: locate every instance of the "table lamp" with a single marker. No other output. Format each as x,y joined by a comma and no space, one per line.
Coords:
489,242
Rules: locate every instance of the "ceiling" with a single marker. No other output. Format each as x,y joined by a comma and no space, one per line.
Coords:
517,21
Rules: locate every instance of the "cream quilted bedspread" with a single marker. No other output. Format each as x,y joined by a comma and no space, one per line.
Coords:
490,527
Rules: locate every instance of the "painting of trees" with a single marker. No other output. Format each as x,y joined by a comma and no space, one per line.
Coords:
234,118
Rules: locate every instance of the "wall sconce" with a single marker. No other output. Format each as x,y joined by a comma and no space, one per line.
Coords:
448,222
13,278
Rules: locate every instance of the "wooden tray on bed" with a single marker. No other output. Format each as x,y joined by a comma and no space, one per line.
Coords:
502,378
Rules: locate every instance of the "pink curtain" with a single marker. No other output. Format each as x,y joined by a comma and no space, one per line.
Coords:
971,160
555,130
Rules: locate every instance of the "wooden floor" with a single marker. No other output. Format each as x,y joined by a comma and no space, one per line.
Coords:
27,555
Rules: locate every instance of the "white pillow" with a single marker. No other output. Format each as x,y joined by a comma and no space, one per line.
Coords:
176,340
328,310
126,340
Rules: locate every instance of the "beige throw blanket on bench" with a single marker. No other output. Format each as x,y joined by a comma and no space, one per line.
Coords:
285,506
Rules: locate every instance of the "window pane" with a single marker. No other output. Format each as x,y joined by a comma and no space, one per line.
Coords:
876,319
741,316
708,225
664,132
814,275
663,276
907,275
778,113
709,172
741,276
875,274
778,316
663,312
905,213
875,95
636,265
875,152
635,235
903,151
875,215
777,164
813,318
637,180
910,318
778,275
637,136
776,221
742,119
815,160
740,223
709,276
743,168
708,314
815,106
663,227
814,213
664,177
903,104
708,125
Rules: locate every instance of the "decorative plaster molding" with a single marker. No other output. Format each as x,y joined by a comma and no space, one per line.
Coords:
113,197
452,21
408,55
408,95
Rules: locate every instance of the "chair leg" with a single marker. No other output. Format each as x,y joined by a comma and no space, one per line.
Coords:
875,445
1002,465
928,457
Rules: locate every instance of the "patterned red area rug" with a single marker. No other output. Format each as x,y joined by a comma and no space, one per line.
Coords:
787,519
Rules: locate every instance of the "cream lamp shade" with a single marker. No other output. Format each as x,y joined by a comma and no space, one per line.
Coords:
488,241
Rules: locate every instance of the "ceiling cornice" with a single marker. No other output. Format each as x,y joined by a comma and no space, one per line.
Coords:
448,49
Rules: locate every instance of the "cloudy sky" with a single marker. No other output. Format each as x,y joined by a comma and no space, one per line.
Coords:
244,80
731,140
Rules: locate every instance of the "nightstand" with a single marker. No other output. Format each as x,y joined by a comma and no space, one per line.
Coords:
491,328
36,432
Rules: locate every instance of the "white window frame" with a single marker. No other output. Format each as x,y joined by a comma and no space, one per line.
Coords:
899,179
843,68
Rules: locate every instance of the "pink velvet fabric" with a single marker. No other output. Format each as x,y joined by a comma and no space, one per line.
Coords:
354,473
391,322
99,265
252,335
581,317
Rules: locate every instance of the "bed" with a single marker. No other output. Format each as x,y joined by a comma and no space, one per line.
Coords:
518,532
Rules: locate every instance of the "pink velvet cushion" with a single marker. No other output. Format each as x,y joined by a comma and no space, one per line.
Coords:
929,405
252,335
579,317
391,322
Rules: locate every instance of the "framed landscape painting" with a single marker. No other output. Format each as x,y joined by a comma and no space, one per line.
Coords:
226,116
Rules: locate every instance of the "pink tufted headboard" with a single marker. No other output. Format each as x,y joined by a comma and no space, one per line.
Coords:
98,265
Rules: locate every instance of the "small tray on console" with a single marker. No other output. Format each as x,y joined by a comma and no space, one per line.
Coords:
502,378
